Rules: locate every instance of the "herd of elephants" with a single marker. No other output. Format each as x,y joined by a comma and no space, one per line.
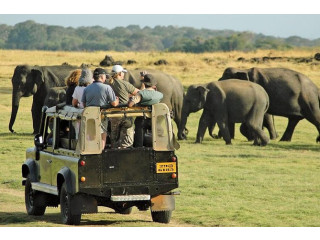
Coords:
253,102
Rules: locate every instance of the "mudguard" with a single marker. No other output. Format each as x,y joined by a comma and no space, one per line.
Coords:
29,167
80,203
67,176
163,203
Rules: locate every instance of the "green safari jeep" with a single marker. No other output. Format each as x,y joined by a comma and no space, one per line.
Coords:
80,175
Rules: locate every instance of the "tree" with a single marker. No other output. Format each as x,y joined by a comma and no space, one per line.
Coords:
27,35
30,35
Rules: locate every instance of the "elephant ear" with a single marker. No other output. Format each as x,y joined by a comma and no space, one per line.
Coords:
257,76
133,79
202,91
242,75
37,76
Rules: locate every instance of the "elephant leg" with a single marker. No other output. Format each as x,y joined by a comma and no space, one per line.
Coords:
231,130
246,132
223,126
314,118
219,134
292,123
269,124
318,138
36,117
211,128
204,122
260,138
186,132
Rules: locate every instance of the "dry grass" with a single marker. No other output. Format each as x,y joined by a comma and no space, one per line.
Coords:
188,67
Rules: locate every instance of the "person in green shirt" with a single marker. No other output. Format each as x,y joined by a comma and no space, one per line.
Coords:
145,97
121,128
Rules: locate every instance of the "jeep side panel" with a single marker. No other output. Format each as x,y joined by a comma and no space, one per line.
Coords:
59,162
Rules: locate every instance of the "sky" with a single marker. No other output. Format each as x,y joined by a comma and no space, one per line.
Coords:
272,18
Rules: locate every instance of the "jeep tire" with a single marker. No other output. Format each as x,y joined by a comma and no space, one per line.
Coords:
35,201
66,208
161,217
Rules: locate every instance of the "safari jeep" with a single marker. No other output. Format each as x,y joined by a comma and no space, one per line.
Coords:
80,175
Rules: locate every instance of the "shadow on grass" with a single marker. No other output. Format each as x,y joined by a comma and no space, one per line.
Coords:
10,136
11,218
295,146
274,144
85,222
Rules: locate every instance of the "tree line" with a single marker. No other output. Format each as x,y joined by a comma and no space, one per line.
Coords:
30,35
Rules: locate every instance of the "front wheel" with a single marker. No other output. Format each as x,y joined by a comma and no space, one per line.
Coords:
66,208
161,217
35,201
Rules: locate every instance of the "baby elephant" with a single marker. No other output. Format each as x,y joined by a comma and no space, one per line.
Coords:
55,96
235,101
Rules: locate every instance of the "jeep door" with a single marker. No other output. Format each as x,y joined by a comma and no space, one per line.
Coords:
45,167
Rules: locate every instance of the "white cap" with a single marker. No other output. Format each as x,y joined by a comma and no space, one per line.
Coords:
118,68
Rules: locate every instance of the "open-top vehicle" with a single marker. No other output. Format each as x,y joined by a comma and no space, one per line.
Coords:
80,175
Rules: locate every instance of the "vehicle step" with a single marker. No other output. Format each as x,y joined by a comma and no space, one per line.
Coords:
120,198
43,187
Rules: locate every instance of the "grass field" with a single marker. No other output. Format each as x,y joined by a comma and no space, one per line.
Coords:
221,186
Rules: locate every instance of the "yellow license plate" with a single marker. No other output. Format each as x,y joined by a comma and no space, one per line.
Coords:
166,167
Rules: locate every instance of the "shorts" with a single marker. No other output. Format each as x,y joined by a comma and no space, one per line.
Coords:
121,132
104,125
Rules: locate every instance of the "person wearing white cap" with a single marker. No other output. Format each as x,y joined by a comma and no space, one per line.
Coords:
121,128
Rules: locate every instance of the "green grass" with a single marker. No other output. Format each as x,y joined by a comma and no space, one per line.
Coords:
244,185
221,185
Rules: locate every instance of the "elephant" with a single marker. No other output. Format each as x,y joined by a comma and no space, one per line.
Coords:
234,101
55,96
194,101
171,88
292,94
35,80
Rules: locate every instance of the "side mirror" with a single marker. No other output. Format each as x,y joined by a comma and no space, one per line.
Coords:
38,141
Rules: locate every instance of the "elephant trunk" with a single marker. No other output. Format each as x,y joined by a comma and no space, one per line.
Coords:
183,123
15,106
